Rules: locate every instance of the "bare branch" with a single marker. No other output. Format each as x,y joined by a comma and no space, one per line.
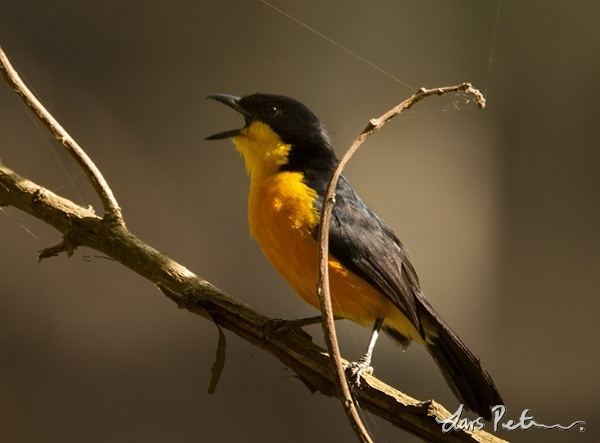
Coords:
323,285
111,207
294,349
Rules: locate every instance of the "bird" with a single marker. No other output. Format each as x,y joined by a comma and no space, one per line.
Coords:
289,158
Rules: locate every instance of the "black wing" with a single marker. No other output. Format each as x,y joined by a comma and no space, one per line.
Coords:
364,244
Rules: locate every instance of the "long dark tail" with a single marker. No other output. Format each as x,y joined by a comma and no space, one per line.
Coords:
471,384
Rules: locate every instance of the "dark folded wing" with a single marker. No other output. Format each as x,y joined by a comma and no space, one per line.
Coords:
364,244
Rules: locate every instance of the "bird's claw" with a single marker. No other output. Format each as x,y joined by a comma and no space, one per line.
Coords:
356,369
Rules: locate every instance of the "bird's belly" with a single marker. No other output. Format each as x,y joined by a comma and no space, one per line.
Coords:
282,219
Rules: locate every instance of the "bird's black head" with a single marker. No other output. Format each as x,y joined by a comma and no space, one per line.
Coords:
292,121
280,134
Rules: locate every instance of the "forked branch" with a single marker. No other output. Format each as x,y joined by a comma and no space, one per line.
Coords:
111,207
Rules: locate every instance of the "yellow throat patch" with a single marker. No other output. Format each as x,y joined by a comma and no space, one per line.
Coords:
279,201
263,150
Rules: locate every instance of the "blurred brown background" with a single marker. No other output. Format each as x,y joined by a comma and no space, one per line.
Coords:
499,208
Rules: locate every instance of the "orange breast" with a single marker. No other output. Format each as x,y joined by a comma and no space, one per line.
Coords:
282,218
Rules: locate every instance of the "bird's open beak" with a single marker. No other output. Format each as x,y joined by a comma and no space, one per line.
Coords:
234,103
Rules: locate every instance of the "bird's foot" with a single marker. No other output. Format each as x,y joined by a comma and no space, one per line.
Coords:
356,369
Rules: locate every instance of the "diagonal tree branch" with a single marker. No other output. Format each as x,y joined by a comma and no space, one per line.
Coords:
294,349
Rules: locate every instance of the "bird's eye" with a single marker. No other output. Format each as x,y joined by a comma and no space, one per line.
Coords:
271,111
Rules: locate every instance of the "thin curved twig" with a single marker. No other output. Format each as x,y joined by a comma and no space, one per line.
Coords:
323,286
112,210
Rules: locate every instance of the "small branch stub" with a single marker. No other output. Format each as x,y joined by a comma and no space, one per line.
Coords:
65,246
